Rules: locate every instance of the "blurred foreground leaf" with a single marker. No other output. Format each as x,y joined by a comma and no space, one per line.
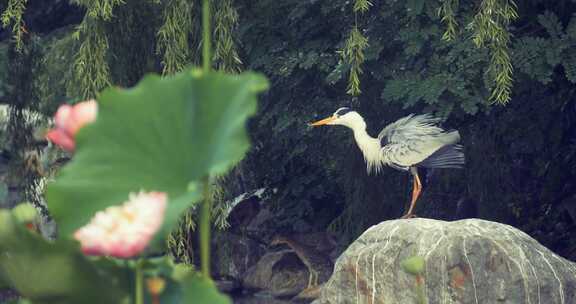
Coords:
165,134
53,273
198,290
183,284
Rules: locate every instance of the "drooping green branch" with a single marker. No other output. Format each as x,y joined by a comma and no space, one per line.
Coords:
13,15
91,70
353,52
101,9
447,13
361,6
490,29
173,42
225,21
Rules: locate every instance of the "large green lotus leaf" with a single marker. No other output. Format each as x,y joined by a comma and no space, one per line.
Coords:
3,281
48,273
199,290
194,289
165,134
183,284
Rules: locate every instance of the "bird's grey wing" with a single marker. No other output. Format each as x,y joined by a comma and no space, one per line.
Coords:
413,138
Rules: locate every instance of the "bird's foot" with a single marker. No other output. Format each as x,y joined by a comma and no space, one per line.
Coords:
408,216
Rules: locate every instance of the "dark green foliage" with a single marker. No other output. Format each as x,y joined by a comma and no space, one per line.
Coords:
54,72
539,56
319,173
420,57
23,119
131,36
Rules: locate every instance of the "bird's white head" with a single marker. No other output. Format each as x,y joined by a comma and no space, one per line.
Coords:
343,117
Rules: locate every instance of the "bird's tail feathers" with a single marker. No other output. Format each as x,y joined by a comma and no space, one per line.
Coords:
449,156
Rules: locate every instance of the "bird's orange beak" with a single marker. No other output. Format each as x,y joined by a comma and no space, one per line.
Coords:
322,122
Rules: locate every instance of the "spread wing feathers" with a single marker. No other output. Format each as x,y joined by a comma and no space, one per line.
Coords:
412,139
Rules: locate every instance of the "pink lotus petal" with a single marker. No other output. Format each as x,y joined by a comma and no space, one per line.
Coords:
82,114
126,230
62,139
69,119
62,116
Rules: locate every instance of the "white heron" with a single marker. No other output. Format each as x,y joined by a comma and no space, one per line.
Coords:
406,144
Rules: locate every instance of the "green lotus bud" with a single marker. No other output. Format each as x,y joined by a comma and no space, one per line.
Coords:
24,213
413,265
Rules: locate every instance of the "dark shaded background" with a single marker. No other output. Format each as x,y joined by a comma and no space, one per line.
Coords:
521,156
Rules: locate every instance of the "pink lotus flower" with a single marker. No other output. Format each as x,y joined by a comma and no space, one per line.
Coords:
124,231
69,119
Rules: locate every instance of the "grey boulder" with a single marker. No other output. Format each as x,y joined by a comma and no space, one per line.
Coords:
467,261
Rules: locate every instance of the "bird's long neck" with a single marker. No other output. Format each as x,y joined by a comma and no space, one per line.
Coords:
369,146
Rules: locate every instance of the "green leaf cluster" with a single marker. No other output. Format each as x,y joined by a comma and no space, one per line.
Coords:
539,56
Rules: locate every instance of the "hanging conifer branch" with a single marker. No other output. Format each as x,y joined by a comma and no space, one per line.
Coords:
13,15
226,21
353,52
173,42
448,17
490,26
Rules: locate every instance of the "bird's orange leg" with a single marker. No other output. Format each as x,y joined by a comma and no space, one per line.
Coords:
416,189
